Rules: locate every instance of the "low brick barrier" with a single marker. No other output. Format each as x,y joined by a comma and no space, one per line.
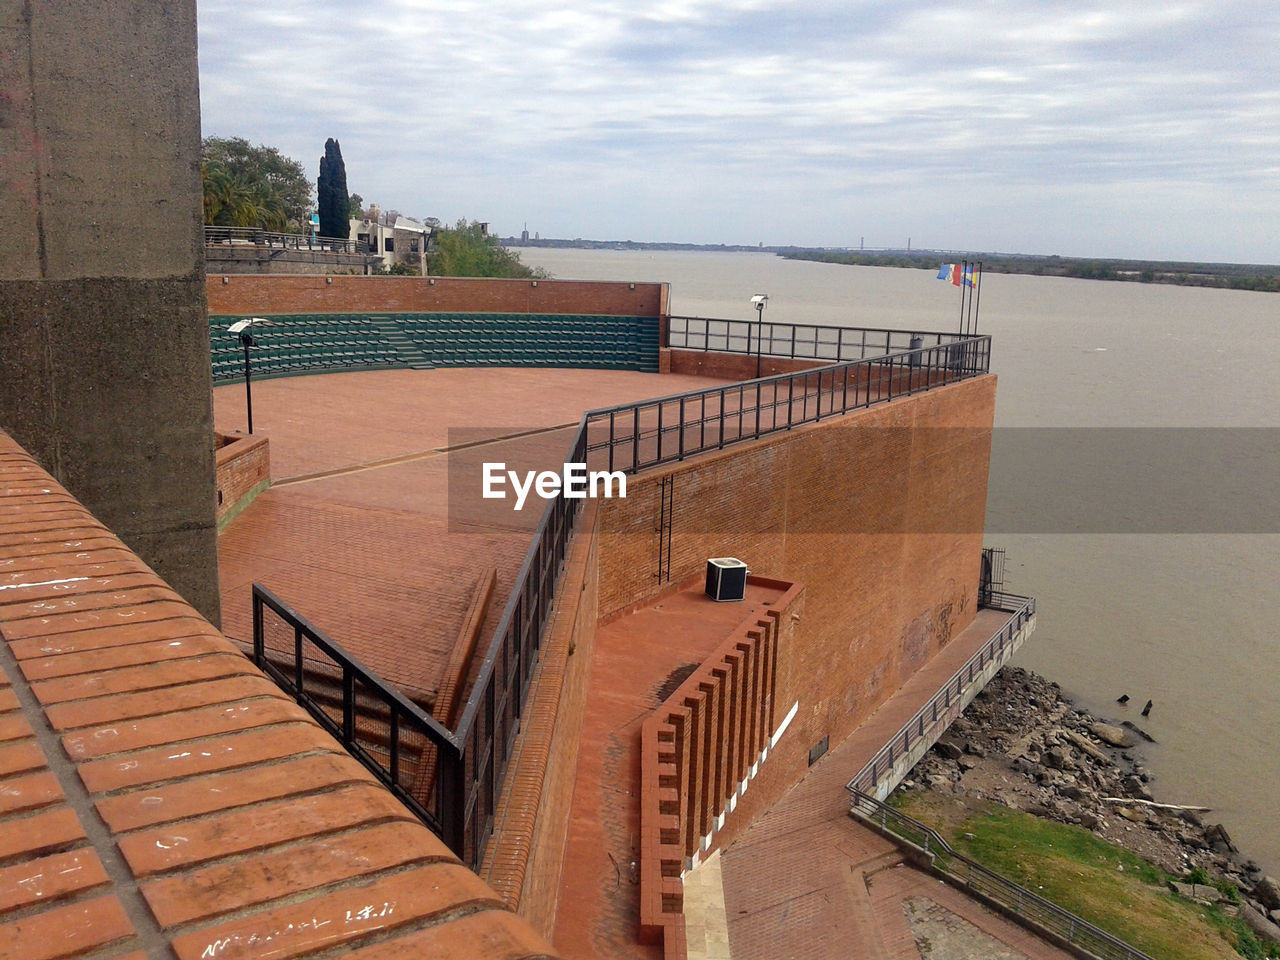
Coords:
699,753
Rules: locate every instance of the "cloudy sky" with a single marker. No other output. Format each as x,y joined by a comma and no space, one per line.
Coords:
1082,128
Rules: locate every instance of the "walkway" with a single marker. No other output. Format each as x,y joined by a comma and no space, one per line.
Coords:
640,659
808,881
374,529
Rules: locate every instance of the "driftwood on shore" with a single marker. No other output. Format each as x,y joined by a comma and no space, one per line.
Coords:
1158,806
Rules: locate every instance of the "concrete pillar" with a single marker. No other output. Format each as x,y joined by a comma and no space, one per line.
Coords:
104,345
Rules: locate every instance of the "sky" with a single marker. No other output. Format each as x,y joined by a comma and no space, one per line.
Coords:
1114,129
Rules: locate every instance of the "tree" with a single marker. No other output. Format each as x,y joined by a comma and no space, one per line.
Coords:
466,251
331,190
278,181
230,201
355,207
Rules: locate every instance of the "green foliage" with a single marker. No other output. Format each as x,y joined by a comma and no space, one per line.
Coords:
355,206
398,270
1079,871
248,186
231,202
331,189
465,251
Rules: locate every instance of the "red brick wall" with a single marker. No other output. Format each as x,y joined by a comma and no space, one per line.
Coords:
793,507
733,366
239,294
243,463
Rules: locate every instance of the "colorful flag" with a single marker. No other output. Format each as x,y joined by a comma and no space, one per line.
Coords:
956,275
944,271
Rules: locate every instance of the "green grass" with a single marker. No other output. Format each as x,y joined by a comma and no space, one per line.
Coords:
1104,884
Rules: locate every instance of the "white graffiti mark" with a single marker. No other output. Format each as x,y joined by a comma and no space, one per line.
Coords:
42,583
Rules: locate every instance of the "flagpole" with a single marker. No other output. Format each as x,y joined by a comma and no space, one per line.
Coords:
977,284
962,263
968,283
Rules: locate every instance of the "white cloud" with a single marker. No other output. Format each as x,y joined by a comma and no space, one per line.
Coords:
1094,128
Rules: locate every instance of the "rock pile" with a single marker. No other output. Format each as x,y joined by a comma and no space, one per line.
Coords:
1023,744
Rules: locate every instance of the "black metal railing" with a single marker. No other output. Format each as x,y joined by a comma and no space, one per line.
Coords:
453,779
934,717
798,341
1029,908
408,750
252,236
634,436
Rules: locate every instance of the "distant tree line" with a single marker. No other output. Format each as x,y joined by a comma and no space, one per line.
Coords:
1225,275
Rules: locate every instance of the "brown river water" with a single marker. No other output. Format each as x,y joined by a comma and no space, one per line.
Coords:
1179,610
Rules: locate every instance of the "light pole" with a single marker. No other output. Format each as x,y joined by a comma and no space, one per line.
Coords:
758,300
244,329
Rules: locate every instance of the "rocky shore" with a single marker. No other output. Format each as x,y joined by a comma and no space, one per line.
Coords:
1023,744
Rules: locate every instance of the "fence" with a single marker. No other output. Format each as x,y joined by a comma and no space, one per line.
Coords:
633,436
936,715
282,241
453,779
1027,907
797,341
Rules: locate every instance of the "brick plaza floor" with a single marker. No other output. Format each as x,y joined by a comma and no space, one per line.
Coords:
355,532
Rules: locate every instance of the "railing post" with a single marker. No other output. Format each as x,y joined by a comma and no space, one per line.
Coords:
297,662
680,446
349,706
259,641
451,776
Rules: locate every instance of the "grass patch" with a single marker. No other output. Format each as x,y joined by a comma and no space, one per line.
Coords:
1104,884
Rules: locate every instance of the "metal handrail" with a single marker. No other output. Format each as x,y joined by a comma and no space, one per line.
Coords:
682,421
934,714
795,340
402,713
1030,908
288,241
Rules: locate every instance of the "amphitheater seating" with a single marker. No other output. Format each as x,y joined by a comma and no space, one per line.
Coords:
305,343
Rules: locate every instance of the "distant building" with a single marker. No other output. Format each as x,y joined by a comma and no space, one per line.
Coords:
397,239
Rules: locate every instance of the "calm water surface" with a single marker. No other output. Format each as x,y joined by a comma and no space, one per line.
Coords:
1187,620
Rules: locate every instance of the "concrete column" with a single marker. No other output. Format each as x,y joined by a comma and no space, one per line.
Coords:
104,345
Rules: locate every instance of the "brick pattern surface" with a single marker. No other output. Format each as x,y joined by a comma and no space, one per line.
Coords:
156,788
366,547
636,666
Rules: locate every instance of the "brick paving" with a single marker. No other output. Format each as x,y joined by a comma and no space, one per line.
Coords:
160,797
635,656
368,550
808,881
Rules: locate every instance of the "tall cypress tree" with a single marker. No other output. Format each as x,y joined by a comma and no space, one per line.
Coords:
331,191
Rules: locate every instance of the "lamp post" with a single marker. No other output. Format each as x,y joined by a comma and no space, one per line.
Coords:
244,330
758,300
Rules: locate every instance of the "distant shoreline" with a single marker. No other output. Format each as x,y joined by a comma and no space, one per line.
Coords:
1230,276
